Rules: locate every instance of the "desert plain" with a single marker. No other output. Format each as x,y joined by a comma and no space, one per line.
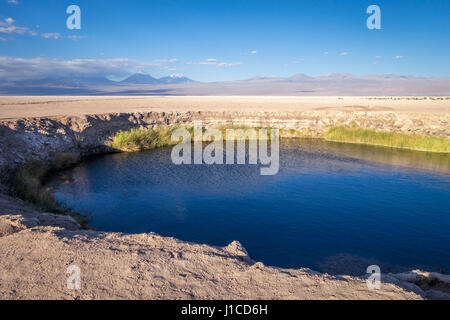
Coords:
16,107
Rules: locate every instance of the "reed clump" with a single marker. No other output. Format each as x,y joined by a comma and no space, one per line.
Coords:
143,139
388,139
28,184
148,139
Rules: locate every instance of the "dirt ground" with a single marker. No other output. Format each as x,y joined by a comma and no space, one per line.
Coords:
14,107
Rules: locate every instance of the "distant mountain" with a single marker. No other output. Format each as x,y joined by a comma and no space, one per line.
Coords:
388,77
175,79
144,78
299,77
297,85
263,77
140,78
338,76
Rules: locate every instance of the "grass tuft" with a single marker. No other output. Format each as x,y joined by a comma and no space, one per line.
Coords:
388,139
28,184
147,139
143,139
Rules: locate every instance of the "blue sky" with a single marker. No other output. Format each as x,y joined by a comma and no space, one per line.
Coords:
218,40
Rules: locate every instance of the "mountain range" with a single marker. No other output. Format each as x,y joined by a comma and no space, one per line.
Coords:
142,83
145,78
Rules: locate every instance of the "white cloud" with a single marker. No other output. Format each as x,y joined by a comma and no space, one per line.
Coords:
228,64
7,26
254,52
74,37
326,52
398,57
54,35
164,64
173,60
378,57
18,69
13,29
13,2
215,62
345,53
177,75
202,63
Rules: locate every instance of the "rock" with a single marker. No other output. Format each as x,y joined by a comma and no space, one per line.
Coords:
10,224
437,295
237,249
258,265
54,220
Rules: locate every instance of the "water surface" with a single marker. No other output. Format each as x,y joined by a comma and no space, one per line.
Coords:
389,206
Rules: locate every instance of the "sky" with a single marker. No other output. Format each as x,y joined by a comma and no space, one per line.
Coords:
221,40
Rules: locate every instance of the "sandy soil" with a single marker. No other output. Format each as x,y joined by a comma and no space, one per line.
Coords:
13,107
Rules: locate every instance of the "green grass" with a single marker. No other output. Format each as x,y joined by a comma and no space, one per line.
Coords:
147,139
143,139
388,139
28,184
241,132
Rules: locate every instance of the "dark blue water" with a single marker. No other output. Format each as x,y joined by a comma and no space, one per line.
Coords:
329,200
